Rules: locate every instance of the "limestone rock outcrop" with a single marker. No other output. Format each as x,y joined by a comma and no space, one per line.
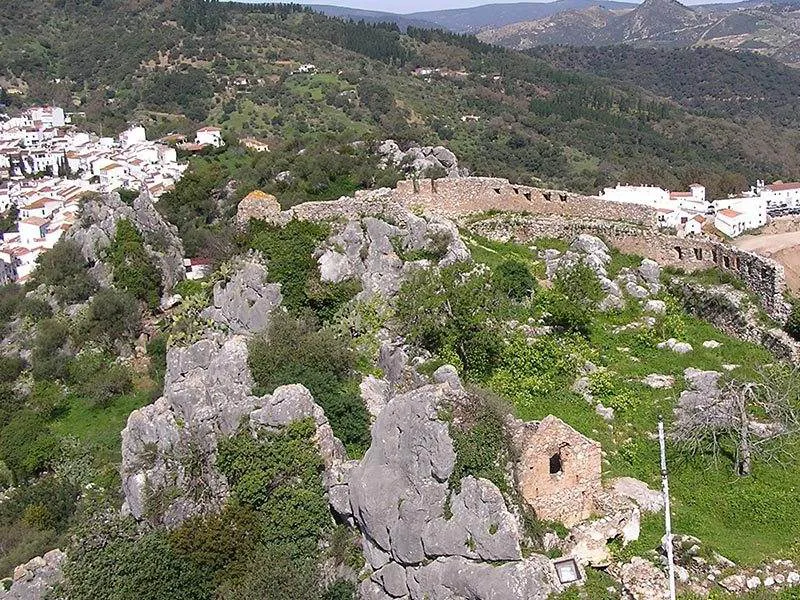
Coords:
421,537
97,226
34,579
380,249
244,304
169,448
420,160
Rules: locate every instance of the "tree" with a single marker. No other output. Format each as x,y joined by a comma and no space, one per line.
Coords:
66,270
748,420
113,314
513,278
133,269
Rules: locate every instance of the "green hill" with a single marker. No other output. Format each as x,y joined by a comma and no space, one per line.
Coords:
174,65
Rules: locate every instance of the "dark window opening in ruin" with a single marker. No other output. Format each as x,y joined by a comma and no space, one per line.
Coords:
516,190
527,196
715,255
416,186
547,196
698,253
736,263
563,197
496,190
726,261
433,186
679,252
555,464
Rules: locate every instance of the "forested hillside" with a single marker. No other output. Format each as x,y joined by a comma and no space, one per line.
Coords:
528,118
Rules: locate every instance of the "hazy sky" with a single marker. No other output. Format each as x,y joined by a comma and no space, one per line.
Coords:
408,6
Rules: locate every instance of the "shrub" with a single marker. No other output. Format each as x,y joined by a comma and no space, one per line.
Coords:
289,250
279,475
133,269
10,368
11,296
480,441
26,446
292,351
113,315
514,279
121,568
48,359
579,285
64,268
97,377
35,309
566,315
450,312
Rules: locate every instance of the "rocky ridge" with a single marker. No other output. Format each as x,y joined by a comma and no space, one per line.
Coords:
95,230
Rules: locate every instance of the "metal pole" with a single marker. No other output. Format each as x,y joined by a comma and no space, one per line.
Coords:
667,516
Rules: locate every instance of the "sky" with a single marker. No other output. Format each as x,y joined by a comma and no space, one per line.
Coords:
409,6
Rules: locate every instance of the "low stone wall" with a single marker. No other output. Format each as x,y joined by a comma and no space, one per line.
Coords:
467,195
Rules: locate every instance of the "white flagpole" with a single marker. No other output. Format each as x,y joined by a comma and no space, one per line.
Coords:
667,515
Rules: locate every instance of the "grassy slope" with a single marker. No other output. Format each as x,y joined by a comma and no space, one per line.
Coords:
746,519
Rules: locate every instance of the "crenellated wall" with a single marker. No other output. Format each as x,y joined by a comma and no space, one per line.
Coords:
468,195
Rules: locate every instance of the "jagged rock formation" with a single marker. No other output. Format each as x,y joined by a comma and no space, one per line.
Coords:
421,160
590,250
169,448
380,254
34,579
399,497
244,304
97,226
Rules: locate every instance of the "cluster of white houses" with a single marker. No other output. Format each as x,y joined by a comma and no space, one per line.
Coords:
46,165
690,212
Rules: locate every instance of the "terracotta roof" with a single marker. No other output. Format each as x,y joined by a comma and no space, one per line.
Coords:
731,214
666,211
699,219
38,221
779,186
111,167
209,129
35,205
680,194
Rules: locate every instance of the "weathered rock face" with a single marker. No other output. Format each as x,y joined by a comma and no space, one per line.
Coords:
420,160
381,250
97,226
169,448
244,304
34,579
399,497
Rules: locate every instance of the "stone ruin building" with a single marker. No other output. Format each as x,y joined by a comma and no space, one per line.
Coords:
558,470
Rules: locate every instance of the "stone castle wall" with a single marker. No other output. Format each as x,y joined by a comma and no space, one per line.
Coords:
456,197
628,227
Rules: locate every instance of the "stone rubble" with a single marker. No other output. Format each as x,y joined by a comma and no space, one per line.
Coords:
35,579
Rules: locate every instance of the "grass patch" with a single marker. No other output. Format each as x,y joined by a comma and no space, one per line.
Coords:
99,428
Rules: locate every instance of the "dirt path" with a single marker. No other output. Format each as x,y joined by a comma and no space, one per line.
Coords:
781,247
